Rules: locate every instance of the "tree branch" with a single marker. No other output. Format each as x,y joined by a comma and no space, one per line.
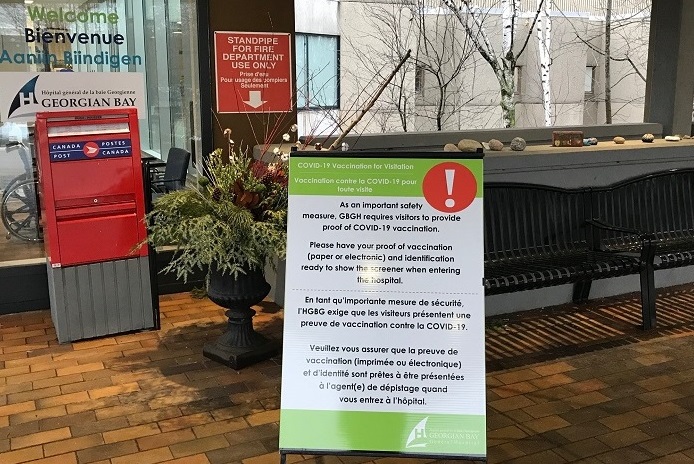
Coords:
371,103
485,49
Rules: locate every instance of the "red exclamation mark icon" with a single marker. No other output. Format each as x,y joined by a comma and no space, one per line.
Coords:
449,187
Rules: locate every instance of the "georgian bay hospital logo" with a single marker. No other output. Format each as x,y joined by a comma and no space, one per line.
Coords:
439,434
26,96
418,435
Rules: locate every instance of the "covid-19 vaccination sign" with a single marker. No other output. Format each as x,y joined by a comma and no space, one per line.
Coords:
384,309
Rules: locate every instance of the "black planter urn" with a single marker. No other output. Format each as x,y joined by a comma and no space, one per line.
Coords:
240,345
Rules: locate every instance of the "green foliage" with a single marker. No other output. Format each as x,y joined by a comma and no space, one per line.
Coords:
235,219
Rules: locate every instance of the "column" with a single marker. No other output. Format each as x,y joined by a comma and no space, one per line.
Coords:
670,74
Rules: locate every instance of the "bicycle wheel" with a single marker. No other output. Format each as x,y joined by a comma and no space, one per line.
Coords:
20,213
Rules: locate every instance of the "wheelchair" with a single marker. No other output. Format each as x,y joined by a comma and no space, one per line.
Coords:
19,206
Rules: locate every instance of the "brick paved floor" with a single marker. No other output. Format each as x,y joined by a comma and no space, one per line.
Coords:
150,397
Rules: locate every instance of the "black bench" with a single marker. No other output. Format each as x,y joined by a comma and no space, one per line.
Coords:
659,207
539,236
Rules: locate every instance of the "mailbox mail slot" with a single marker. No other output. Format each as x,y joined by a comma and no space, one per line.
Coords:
90,185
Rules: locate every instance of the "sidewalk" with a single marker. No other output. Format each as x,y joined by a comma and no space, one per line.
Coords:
626,397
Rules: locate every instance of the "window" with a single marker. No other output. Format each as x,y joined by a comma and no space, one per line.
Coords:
419,79
518,80
317,71
589,83
170,50
152,37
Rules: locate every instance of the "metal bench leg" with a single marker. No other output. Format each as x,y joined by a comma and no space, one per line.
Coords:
648,296
648,283
581,291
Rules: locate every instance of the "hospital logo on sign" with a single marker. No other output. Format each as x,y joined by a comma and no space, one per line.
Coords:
26,96
418,435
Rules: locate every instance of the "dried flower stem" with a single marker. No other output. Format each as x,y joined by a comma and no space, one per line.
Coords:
230,147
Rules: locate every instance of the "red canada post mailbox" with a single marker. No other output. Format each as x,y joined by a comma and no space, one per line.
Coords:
92,209
90,178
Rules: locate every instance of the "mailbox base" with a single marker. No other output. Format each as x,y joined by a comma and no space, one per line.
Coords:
99,299
240,357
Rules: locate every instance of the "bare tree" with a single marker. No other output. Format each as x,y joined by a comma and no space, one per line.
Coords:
442,55
502,61
620,39
428,86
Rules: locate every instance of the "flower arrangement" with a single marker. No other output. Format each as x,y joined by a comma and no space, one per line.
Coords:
235,219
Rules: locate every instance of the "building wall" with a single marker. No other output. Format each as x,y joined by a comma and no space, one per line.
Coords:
370,31
317,16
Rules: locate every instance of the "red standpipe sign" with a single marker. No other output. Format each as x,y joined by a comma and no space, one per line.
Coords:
253,72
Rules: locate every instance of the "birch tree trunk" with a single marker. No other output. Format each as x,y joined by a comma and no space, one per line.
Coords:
544,35
608,57
506,68
508,103
508,25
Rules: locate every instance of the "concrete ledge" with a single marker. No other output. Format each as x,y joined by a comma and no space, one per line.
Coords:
597,165
411,141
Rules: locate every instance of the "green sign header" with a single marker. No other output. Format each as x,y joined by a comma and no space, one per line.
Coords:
387,177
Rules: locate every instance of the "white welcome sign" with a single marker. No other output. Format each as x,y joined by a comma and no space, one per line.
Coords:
26,93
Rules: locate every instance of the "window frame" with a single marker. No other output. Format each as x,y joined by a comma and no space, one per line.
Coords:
302,81
419,79
518,83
